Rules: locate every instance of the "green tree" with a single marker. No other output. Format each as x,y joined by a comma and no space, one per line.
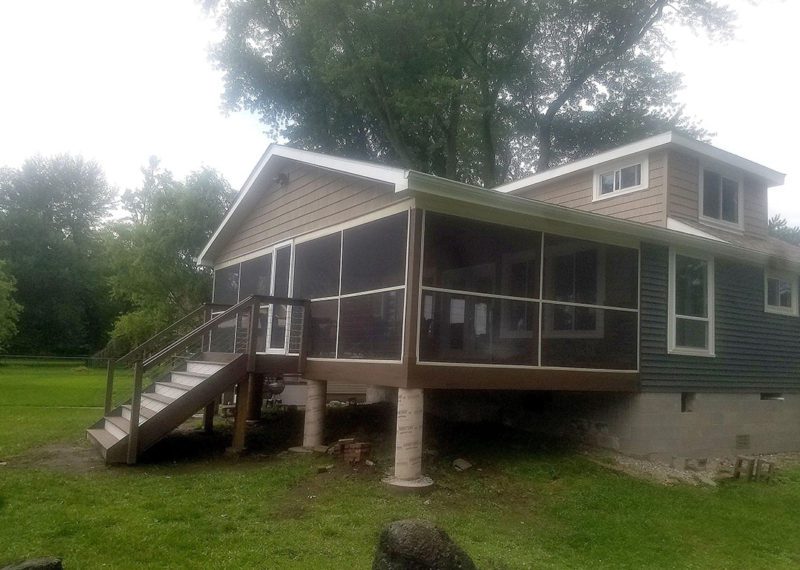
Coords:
779,227
154,250
479,91
51,210
9,309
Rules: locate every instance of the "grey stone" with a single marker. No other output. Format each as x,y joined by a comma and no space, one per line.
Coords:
414,544
461,464
45,563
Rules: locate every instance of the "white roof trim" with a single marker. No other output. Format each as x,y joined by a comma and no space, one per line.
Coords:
773,177
678,226
398,177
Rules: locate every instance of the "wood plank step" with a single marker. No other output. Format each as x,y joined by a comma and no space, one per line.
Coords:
144,412
171,389
119,427
156,402
102,438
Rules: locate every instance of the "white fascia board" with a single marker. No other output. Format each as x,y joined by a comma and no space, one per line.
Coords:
394,176
774,177
671,139
482,197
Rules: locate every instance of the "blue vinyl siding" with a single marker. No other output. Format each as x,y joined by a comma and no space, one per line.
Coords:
755,351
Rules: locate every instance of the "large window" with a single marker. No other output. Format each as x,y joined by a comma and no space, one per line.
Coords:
691,304
780,292
720,198
493,294
355,280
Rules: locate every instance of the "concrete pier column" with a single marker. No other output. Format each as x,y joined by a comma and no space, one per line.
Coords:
315,413
408,445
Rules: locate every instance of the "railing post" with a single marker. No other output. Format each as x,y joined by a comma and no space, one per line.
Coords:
305,336
206,342
244,389
136,404
110,366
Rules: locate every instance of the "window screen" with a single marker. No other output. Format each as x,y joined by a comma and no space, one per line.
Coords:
283,258
579,271
316,267
374,254
256,277
371,326
226,285
479,257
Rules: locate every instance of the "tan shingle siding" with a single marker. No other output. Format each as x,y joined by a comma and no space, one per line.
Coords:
576,191
313,199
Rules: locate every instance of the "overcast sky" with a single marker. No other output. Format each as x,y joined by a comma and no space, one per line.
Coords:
118,81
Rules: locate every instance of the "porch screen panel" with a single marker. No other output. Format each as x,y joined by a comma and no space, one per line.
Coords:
226,285
590,305
316,267
256,276
474,329
479,257
583,337
371,326
324,328
374,255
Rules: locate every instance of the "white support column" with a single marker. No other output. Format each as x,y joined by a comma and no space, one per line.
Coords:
315,413
316,399
408,446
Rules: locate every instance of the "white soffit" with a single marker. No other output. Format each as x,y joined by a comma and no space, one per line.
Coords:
668,139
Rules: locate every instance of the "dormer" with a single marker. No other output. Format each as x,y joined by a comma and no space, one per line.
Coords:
667,180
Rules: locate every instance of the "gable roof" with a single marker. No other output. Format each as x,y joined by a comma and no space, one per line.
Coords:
270,165
669,139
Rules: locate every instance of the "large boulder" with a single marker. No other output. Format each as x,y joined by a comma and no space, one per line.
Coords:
418,545
47,563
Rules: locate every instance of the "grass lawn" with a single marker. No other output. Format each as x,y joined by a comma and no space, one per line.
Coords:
523,505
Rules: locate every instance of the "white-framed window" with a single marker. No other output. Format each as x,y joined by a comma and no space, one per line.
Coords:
621,178
720,198
780,292
691,303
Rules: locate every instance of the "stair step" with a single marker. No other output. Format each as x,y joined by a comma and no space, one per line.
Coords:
204,366
117,426
171,389
145,413
156,402
190,379
102,438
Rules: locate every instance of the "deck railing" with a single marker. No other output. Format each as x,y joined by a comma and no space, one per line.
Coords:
159,354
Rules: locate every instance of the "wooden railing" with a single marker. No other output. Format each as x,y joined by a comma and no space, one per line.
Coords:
251,305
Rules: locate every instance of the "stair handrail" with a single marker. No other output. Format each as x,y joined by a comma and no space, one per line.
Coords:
112,363
252,304
152,340
187,339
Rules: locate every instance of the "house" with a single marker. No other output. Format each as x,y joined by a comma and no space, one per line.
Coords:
638,290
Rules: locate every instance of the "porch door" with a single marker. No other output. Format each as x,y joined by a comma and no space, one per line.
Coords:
279,315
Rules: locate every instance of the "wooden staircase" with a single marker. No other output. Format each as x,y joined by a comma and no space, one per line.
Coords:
184,378
167,404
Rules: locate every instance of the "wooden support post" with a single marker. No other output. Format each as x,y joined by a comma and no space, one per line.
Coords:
256,397
136,405
240,421
208,417
244,389
111,365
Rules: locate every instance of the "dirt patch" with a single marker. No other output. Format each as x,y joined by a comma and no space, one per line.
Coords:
67,457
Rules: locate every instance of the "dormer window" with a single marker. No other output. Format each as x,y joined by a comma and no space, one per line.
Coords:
620,178
720,199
